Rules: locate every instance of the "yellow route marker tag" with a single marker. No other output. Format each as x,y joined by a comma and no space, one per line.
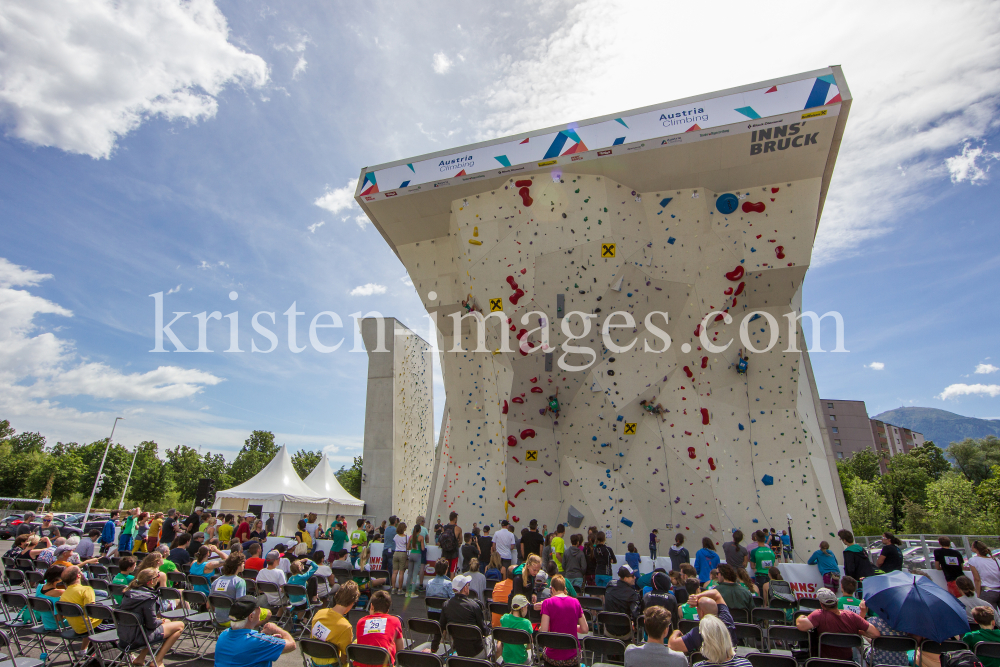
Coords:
607,250
531,455
629,428
496,305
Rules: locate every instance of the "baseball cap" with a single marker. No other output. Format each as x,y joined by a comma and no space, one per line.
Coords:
63,547
826,597
541,578
199,509
242,608
460,581
504,522
519,602
272,556
625,571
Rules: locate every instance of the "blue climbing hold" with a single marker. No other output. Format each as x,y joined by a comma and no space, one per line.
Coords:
756,521
741,427
594,438
627,522
664,202
727,203
767,479
671,240
620,418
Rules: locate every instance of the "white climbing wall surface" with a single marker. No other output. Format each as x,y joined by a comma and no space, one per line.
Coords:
706,207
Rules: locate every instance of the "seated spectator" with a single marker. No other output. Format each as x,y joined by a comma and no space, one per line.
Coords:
493,567
465,611
301,571
126,573
654,653
242,645
87,548
331,625
204,567
745,582
882,657
197,540
717,645
178,553
735,595
140,599
78,594
985,617
364,564
324,580
50,589
968,597
709,603
478,584
339,561
502,593
272,574
830,619
661,595
155,561
380,628
621,596
47,557
644,581
689,611
230,584
440,585
847,601
561,613
254,560
515,654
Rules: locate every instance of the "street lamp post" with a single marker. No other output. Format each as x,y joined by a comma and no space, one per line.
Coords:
121,503
100,470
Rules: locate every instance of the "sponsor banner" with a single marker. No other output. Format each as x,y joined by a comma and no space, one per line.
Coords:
805,580
722,116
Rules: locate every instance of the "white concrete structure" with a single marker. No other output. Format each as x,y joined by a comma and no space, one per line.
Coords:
689,208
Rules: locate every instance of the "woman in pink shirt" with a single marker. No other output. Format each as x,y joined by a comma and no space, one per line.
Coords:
562,613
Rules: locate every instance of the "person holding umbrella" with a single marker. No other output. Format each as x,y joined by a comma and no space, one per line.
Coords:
916,605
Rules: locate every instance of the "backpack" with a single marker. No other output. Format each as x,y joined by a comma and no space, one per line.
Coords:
960,659
447,540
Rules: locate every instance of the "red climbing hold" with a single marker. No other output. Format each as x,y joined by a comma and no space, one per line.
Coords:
515,518
720,317
532,481
739,288
524,183
523,271
704,362
511,441
510,281
773,190
521,333
505,407
704,416
729,290
750,207
519,492
526,197
534,379
537,390
735,274
779,252
688,372
527,433
516,295
697,330
691,453
711,463
517,399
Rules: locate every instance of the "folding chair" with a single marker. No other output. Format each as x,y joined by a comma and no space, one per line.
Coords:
809,603
116,590
695,658
686,626
416,659
249,574
771,660
513,637
791,638
942,647
176,579
299,591
535,615
747,632
16,579
16,662
470,633
758,601
197,617
34,578
765,616
840,640
219,602
434,606
458,661
777,603
39,606
100,585
988,650
500,608
828,662
126,619
590,602
314,648
68,610
369,655
430,628
606,651
99,571
197,580
555,641
14,603
171,595
616,625
739,615
106,638
265,588
24,564
894,644
595,591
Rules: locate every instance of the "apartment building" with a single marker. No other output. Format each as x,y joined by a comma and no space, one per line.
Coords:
851,430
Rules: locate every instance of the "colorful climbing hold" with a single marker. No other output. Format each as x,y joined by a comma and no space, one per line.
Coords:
510,281
523,183
739,288
704,416
779,252
532,481
691,453
750,207
519,492
767,480
505,406
517,399
537,390
704,362
711,463
627,522
511,441
687,371
527,433
526,197
735,274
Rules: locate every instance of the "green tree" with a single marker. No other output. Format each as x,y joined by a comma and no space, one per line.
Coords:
150,476
953,505
14,471
988,493
916,518
974,457
214,466
6,430
350,478
864,465
57,477
868,509
906,480
257,452
115,471
305,462
931,458
27,443
185,466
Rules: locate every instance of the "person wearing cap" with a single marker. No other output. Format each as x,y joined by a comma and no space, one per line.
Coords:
661,595
243,645
463,610
621,597
331,625
272,574
516,654
709,603
655,653
830,619
380,628
25,527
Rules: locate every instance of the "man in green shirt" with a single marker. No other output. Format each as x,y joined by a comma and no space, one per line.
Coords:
516,654
987,632
339,537
359,538
735,595
761,559
126,537
559,546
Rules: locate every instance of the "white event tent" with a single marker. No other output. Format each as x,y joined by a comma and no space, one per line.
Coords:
278,489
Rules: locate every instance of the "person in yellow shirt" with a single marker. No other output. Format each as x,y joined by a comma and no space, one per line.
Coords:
331,624
153,536
225,531
559,546
77,593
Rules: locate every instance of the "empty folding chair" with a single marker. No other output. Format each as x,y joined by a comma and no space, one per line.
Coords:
771,660
606,651
12,661
591,602
751,635
788,637
942,647
417,659
765,616
596,591
458,661
827,662
988,650
15,603
739,615
616,625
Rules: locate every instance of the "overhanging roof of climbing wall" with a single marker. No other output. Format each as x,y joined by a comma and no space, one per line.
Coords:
711,141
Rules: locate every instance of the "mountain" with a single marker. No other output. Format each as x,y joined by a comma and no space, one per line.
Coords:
941,426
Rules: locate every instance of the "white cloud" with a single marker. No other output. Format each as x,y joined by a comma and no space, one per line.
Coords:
36,366
406,280
908,114
300,67
954,390
174,290
368,289
362,220
339,199
442,63
316,225
983,369
875,365
968,166
80,75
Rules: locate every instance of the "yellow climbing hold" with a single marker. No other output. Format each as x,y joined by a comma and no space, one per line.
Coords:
475,242
475,231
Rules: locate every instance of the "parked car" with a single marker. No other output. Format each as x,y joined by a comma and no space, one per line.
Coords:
65,530
9,525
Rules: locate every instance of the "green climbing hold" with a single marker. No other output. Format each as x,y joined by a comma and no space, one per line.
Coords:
577,191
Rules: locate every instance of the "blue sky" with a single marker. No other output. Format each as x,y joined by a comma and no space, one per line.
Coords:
199,149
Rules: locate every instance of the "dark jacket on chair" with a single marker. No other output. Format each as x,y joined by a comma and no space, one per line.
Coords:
464,611
623,598
142,603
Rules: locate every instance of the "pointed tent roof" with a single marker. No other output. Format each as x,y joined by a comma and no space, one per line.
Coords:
325,483
277,481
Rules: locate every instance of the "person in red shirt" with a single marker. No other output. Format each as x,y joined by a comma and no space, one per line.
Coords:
243,530
255,562
830,619
381,628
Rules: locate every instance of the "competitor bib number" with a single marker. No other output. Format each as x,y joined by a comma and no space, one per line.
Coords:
376,626
951,560
320,632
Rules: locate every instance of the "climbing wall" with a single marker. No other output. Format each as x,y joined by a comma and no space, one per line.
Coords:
729,450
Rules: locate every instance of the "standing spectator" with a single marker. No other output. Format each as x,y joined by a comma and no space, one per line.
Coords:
632,557
153,534
531,540
562,613
828,567
269,524
547,551
243,530
47,529
242,645
985,617
654,541
774,541
470,550
359,538
985,573
140,599
400,558
621,596
830,619
604,558
950,562
169,531
575,561
678,553
891,558
763,558
559,546
87,545
226,529
339,537
786,545
193,523
465,611
449,539
422,522
706,559
415,547
504,543
389,548
516,654
654,653
25,528
107,533
485,545
856,561
380,628
331,625
736,554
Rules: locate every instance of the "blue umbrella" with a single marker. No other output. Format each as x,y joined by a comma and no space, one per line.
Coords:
915,604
